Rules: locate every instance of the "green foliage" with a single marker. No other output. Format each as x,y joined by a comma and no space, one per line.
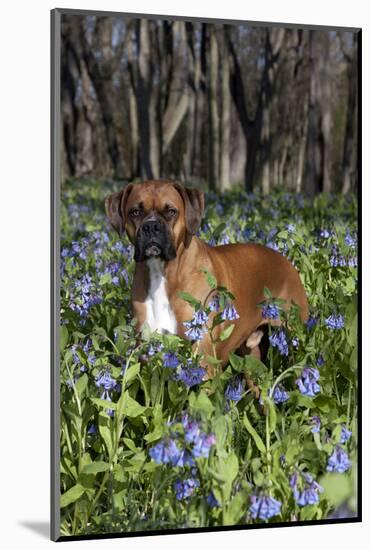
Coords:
118,400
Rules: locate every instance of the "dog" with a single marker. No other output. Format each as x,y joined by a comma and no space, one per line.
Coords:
161,218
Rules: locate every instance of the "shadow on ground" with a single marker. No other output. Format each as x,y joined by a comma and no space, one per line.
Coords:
42,528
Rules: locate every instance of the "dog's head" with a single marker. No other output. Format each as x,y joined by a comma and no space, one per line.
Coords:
157,215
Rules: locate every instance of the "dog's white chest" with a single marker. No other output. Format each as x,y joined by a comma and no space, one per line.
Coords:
160,316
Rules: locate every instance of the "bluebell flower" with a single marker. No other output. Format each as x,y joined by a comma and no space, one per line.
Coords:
270,311
195,333
171,360
92,430
234,389
295,342
338,461
212,501
278,340
214,303
320,361
335,321
311,322
280,394
349,240
185,488
291,228
191,428
203,445
273,246
308,382
316,424
154,347
324,233
200,317
345,434
166,452
105,380
229,313
224,239
191,376
310,493
264,506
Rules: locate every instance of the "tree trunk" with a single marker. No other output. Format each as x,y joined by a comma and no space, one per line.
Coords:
350,125
226,116
213,110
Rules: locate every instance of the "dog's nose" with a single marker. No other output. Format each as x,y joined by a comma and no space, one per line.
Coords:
151,227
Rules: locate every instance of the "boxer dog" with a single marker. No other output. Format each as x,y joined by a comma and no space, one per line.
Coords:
161,219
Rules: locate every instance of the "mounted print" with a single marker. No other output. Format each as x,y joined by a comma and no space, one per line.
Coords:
205,193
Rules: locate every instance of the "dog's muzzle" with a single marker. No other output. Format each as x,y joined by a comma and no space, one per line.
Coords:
153,240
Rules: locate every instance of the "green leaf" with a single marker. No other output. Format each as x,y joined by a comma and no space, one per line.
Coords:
337,487
127,406
131,372
226,333
105,279
272,415
63,334
81,384
190,299
95,467
256,437
104,403
211,281
72,495
105,432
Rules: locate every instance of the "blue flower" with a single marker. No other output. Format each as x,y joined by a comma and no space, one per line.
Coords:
171,361
229,313
345,434
280,394
191,429
278,340
212,501
191,376
92,430
335,322
311,322
338,461
105,380
316,424
320,360
264,506
214,304
291,228
310,493
203,445
270,311
166,452
307,383
324,233
234,389
185,489
349,240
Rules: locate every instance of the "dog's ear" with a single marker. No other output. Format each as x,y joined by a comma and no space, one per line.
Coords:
115,208
194,204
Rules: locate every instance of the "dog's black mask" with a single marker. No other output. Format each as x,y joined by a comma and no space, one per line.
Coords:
153,240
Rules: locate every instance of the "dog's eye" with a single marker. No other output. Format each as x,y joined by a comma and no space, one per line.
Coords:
171,212
135,213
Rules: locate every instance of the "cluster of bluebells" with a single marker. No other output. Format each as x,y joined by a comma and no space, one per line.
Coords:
308,382
264,507
190,374
338,461
270,311
305,489
182,451
234,389
185,488
279,340
105,382
335,321
84,295
196,327
87,349
280,395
